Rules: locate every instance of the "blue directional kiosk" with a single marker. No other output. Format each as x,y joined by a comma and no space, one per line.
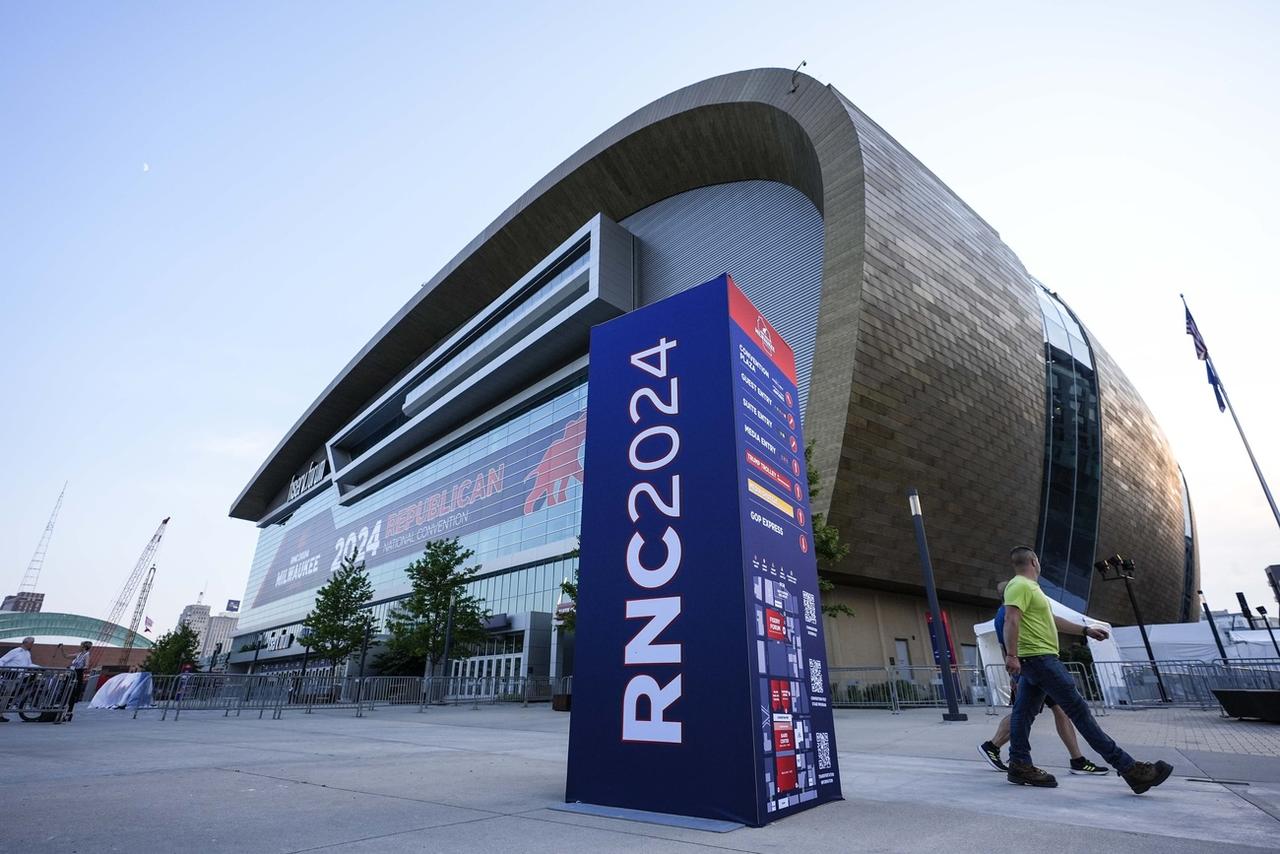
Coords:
700,684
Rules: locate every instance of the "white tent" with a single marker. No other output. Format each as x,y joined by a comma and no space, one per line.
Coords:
992,657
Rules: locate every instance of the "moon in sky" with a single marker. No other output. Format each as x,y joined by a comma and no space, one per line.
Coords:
146,167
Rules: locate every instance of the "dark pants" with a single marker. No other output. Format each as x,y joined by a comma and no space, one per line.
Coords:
1044,675
77,691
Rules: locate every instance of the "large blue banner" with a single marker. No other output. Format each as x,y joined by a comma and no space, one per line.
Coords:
700,673
514,481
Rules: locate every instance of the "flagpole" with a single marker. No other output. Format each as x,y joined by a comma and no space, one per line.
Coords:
1257,469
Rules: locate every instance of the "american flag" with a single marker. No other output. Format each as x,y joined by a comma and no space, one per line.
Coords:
147,624
1202,352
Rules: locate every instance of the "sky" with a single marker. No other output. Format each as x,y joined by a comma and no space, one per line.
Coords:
209,208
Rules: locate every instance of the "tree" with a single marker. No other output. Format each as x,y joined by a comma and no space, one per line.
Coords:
337,622
418,625
827,545
172,650
569,617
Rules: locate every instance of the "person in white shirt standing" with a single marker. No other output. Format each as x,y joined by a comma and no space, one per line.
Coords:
9,683
79,663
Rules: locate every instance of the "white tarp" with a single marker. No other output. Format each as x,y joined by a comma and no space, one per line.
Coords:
1113,690
1250,643
1193,642
1169,642
124,691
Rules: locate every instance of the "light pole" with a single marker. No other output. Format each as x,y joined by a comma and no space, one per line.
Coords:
944,649
1122,568
364,652
257,648
305,634
1262,610
1213,625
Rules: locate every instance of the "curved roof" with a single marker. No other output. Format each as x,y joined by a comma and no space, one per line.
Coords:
20,624
765,124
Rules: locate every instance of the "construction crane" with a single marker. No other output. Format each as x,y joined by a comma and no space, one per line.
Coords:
143,595
24,601
127,592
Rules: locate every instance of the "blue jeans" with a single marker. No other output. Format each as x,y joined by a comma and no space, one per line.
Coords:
1044,675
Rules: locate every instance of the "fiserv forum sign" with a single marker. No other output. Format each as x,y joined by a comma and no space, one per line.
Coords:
700,674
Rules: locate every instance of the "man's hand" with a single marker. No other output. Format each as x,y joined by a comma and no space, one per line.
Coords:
1013,664
1096,632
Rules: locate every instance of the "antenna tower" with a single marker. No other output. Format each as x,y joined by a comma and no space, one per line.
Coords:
137,614
37,560
127,592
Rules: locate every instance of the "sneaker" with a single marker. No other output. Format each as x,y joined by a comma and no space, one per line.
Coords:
1026,774
1147,775
1086,766
991,753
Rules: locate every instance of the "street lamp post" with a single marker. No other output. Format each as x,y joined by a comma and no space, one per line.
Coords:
1262,610
1213,625
305,633
257,648
1116,567
953,712
364,652
448,638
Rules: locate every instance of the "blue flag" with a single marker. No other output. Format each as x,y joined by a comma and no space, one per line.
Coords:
1217,386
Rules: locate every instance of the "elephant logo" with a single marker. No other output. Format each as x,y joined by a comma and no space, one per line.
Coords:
558,467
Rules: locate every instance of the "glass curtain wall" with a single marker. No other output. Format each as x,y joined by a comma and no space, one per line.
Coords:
1073,458
1187,611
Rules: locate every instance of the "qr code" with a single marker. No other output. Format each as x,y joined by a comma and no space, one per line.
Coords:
824,751
815,677
810,608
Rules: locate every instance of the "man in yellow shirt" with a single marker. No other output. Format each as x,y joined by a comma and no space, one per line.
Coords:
1031,641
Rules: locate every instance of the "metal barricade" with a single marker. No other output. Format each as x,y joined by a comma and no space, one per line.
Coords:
1140,684
923,686
1250,674
35,692
225,692
1000,687
387,691
863,688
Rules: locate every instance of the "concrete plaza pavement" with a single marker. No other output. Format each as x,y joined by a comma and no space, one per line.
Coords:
458,779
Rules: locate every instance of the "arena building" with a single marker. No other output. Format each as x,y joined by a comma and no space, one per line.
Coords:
927,356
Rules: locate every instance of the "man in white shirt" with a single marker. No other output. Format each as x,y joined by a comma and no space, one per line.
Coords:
18,657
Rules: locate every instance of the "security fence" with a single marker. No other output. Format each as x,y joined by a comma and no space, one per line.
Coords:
225,692
1104,685
896,688
1000,687
37,693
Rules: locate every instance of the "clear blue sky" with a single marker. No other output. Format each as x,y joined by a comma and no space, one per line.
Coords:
308,164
